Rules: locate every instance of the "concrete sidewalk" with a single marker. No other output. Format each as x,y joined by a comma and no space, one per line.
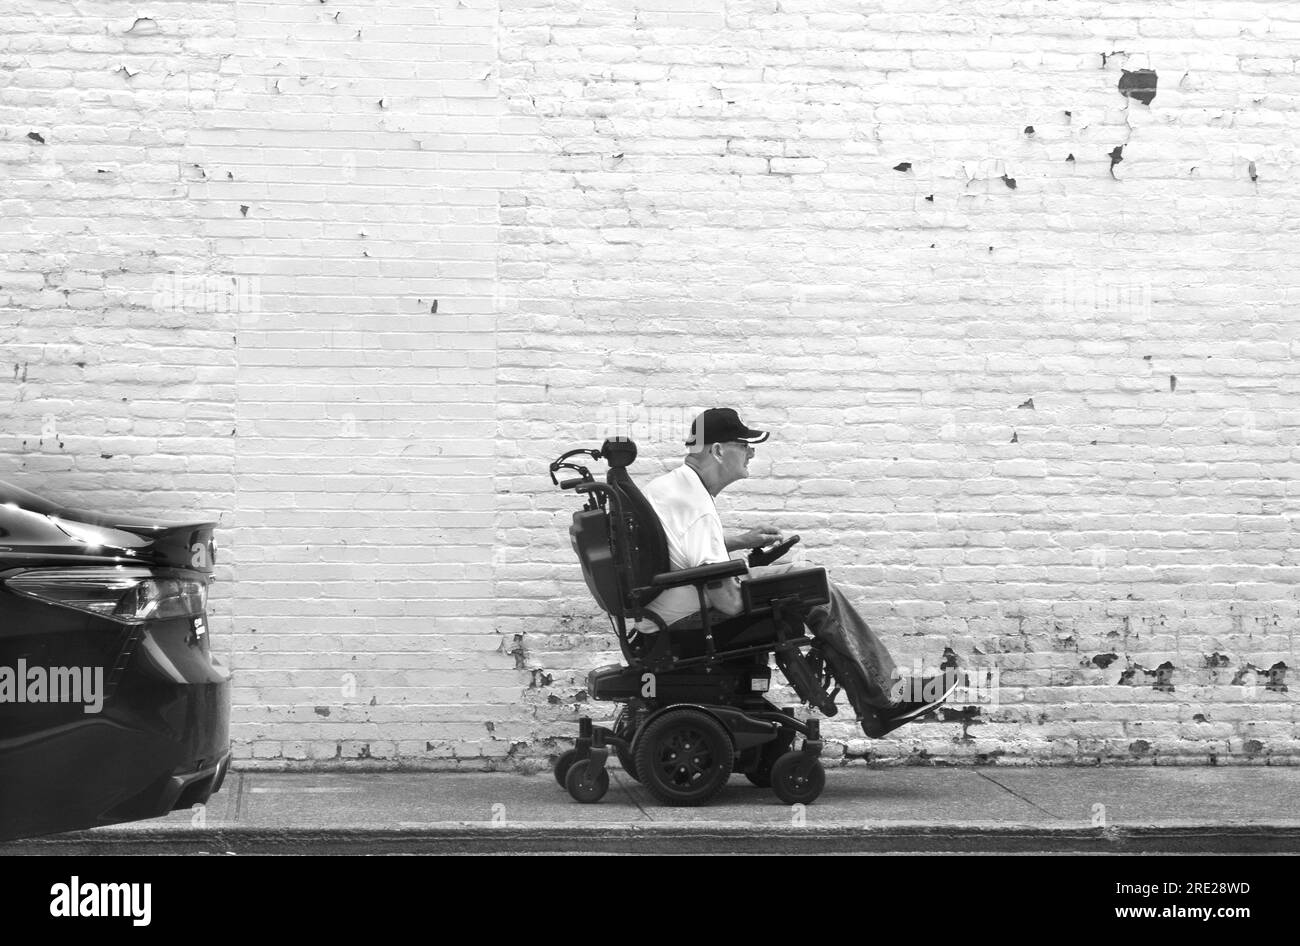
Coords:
922,809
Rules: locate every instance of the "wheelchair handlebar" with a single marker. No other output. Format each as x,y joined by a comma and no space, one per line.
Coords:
585,451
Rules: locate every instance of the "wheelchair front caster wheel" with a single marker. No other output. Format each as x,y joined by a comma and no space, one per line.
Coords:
582,786
798,778
563,764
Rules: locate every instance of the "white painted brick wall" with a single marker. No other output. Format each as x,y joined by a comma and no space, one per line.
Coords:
972,384
110,400
370,146
1037,425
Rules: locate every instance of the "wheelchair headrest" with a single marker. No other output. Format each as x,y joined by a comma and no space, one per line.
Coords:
618,452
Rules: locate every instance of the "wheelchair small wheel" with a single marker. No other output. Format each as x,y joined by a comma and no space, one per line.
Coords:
563,764
798,778
684,757
582,786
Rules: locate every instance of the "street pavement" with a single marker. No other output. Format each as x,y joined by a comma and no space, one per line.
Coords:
923,809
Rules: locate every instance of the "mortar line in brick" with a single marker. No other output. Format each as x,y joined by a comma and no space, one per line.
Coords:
1012,791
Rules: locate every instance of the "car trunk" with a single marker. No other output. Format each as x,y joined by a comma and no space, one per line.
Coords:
32,529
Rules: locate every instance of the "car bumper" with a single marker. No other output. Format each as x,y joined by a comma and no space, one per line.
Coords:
158,746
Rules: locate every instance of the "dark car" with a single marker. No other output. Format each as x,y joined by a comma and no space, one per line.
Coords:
112,705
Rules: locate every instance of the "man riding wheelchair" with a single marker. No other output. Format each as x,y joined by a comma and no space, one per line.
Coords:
697,639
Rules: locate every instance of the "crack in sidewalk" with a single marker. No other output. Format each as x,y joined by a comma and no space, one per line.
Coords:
1012,791
627,790
239,797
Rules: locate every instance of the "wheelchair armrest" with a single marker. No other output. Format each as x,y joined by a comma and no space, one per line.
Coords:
701,574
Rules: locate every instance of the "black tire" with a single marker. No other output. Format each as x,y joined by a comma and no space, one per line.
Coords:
563,764
684,757
798,778
623,729
626,759
582,786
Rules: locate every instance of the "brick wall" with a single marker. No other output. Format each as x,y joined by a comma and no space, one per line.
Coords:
360,270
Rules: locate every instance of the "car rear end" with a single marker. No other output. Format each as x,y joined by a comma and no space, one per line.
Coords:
110,615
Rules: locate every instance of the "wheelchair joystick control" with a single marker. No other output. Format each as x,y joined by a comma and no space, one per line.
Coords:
767,556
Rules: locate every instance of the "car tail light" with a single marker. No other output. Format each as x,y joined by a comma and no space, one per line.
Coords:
129,595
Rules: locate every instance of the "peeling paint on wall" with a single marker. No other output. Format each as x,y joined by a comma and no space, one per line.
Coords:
1140,84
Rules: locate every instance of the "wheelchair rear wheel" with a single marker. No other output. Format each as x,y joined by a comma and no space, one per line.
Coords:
684,757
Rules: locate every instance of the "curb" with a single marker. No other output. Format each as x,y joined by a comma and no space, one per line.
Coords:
697,838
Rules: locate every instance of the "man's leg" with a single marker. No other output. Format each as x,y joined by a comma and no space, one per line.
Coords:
871,680
841,626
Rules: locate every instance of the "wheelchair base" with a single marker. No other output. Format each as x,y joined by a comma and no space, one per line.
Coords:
688,724
685,752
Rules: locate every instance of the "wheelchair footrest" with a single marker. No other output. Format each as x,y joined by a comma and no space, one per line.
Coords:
805,681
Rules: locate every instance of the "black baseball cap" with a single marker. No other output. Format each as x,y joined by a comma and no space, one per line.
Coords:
721,425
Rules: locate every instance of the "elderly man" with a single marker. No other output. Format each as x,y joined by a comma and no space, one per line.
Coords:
721,447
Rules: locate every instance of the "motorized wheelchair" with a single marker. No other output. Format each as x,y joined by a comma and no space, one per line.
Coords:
688,722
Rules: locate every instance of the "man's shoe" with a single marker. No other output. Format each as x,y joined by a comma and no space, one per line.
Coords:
933,691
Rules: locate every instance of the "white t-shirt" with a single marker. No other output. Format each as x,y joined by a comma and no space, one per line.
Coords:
690,520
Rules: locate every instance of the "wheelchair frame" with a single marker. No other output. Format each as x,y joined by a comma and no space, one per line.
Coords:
688,722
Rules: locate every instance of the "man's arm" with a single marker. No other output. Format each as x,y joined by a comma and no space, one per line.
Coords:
702,548
756,538
726,598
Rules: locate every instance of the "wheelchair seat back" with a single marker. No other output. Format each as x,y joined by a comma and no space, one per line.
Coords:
619,541
637,531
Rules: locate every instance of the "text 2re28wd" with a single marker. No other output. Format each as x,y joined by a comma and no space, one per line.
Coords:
112,706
